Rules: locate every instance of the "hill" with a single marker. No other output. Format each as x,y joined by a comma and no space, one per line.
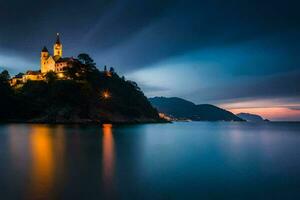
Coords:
181,108
251,117
85,95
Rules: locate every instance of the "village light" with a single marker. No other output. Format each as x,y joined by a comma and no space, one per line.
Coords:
60,75
106,95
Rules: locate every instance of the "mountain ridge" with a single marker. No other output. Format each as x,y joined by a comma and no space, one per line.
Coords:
184,109
251,117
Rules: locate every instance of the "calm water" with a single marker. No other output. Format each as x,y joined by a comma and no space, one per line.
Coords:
154,161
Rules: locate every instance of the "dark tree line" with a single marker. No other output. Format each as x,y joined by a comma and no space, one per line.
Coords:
6,96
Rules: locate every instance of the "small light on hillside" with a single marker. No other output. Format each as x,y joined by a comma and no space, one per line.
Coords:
106,95
108,74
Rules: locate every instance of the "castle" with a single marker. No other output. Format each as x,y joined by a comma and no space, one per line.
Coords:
55,63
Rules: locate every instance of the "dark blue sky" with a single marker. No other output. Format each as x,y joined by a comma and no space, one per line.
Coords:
239,54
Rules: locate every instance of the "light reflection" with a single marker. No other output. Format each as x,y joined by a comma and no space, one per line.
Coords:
59,144
108,155
42,171
18,146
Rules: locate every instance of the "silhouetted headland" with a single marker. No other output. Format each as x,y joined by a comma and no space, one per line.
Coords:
80,94
181,109
249,117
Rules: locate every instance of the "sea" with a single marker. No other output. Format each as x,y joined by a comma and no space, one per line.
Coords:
181,160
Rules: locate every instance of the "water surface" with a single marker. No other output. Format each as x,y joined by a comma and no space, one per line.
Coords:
154,161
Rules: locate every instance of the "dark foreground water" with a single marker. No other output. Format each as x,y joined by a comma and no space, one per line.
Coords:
153,161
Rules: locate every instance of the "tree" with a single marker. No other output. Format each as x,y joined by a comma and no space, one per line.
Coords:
19,75
4,76
51,77
80,71
135,85
86,59
76,72
112,70
6,100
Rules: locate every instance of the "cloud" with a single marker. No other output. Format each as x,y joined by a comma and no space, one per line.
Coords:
131,34
294,107
15,62
274,86
191,26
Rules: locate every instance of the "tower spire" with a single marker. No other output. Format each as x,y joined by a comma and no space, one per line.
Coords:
57,48
45,49
57,39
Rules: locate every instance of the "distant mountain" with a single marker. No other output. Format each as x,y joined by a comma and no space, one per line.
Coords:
251,117
183,109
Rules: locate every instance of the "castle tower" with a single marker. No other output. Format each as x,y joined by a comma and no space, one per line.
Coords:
44,57
57,48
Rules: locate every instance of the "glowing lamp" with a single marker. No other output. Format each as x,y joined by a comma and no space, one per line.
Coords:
106,95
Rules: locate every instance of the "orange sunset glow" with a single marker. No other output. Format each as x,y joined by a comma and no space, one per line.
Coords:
270,113
272,110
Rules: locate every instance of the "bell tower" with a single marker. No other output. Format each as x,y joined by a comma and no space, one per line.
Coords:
57,48
44,57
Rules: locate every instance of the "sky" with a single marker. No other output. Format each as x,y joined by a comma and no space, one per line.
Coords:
242,55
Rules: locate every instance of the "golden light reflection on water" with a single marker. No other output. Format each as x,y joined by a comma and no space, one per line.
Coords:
108,155
42,170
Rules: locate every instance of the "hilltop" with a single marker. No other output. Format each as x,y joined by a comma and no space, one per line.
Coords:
183,109
251,117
